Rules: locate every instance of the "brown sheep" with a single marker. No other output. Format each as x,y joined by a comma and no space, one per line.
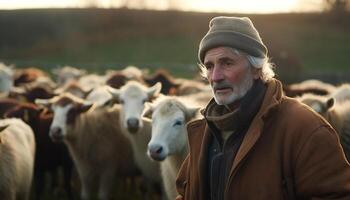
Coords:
169,83
49,156
99,150
28,75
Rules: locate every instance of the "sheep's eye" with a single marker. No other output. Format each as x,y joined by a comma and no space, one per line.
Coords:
178,123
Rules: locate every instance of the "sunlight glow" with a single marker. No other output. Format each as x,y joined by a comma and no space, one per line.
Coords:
19,4
228,6
244,6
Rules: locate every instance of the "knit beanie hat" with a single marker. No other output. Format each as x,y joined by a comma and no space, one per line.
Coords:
235,32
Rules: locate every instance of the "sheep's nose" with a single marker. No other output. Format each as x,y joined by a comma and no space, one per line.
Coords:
156,152
56,134
133,125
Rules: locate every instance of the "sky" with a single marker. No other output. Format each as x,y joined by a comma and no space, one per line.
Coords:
234,6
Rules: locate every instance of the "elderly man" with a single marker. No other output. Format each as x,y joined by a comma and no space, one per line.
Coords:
254,142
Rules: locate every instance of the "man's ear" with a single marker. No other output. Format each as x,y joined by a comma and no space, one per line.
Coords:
256,73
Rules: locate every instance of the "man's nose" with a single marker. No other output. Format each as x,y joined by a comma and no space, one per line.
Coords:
217,74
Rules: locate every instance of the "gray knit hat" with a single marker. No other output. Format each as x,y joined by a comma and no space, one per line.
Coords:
236,32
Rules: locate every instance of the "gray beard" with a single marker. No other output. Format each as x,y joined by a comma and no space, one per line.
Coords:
238,90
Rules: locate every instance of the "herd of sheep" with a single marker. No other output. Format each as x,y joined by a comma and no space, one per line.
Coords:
126,126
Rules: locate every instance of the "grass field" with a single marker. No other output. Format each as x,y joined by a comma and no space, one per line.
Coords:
97,39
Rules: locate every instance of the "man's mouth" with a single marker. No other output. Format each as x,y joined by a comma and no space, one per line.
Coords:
223,90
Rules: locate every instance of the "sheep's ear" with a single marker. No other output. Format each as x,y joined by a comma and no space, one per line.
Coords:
192,112
154,90
18,93
84,107
147,112
18,90
330,103
41,110
3,127
55,71
114,92
58,91
87,92
43,102
110,102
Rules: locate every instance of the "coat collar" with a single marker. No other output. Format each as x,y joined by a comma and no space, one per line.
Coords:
273,97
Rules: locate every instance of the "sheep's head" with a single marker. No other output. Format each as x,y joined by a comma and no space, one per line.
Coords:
66,109
132,98
320,104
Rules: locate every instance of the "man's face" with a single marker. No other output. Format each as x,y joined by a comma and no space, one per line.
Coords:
229,74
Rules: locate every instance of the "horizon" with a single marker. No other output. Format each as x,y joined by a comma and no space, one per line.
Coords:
207,6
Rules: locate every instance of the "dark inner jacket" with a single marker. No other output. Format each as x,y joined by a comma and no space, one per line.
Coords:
221,153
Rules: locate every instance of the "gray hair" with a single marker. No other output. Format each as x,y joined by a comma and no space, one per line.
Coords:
264,64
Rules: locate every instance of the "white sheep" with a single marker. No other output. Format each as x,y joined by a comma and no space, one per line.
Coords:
17,149
6,79
169,136
132,97
341,93
67,73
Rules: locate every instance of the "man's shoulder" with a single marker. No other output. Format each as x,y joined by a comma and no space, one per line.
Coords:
295,108
293,113
196,124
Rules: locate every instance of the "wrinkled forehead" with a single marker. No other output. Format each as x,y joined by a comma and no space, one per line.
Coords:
221,52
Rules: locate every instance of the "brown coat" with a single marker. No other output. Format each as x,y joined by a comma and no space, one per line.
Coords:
287,151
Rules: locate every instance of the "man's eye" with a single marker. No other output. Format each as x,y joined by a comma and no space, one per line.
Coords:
208,67
228,63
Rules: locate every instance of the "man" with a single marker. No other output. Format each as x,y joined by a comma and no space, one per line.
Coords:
254,143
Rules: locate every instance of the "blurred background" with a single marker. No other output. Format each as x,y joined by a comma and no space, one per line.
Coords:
306,38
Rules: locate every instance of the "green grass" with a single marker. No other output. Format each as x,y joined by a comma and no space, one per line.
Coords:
98,39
